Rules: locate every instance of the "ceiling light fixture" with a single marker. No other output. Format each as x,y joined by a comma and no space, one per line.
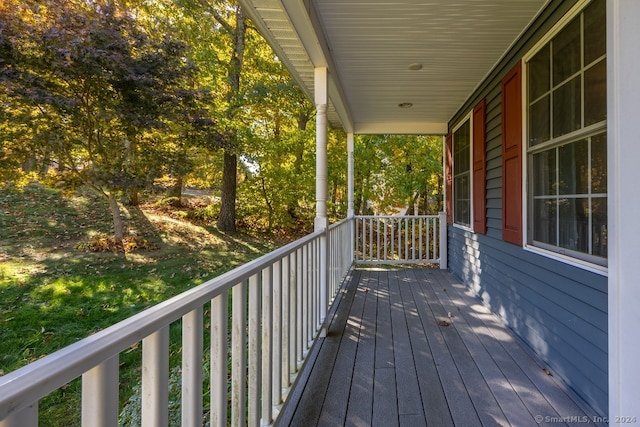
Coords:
415,66
405,105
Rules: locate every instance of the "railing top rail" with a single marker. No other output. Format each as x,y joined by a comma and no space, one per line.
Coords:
396,216
28,384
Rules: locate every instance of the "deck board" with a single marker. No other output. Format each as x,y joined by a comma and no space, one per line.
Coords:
388,361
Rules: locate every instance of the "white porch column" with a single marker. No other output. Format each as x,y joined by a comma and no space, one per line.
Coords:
623,105
321,100
321,222
350,175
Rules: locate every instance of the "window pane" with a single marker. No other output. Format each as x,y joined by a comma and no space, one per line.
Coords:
461,149
573,168
566,52
599,163
544,170
567,92
573,224
566,108
462,208
595,93
539,74
595,34
599,226
539,125
544,221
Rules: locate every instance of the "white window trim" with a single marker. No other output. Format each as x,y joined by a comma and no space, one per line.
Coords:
462,121
557,256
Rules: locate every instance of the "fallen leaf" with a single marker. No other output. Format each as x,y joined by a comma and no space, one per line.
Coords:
546,371
443,323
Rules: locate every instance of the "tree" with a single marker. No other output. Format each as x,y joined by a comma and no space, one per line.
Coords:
97,88
395,172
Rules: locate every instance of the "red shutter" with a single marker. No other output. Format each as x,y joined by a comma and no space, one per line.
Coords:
449,180
511,152
479,169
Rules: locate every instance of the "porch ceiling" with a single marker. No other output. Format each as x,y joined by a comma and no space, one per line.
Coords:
369,45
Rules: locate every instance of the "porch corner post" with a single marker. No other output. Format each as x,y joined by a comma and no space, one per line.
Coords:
321,80
442,220
350,175
350,194
623,152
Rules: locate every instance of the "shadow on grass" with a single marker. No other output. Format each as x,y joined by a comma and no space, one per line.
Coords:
52,295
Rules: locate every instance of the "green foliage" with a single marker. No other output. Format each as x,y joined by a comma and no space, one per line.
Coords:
205,214
100,94
393,173
52,294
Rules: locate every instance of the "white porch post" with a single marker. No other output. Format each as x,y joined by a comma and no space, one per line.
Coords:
350,194
321,222
623,87
350,175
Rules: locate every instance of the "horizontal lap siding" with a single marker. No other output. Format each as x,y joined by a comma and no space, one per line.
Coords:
494,163
563,320
560,311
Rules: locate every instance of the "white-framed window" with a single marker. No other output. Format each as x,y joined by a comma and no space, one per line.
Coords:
566,113
462,179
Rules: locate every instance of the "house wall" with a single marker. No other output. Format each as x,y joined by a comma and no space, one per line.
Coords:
558,310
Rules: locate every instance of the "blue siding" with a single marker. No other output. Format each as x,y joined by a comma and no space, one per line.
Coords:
558,310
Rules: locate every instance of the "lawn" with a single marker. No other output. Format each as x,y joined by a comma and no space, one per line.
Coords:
55,291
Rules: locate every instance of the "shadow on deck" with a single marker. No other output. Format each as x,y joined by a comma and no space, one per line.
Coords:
410,347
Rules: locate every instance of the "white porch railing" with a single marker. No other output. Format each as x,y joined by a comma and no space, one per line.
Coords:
401,239
278,303
276,314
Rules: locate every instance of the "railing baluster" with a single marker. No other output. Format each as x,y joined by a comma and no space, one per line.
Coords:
304,290
238,355
400,239
378,238
276,360
285,286
413,238
299,306
219,355
255,354
267,345
393,238
192,351
371,238
313,321
405,235
100,395
420,222
276,366
429,226
155,379
364,239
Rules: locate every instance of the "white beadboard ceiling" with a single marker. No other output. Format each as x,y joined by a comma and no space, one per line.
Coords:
368,46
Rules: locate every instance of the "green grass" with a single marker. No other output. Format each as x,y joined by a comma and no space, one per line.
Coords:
52,294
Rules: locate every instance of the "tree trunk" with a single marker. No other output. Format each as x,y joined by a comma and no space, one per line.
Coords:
133,197
227,218
176,189
118,226
29,163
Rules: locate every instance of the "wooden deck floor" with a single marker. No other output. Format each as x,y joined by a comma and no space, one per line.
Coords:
409,347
